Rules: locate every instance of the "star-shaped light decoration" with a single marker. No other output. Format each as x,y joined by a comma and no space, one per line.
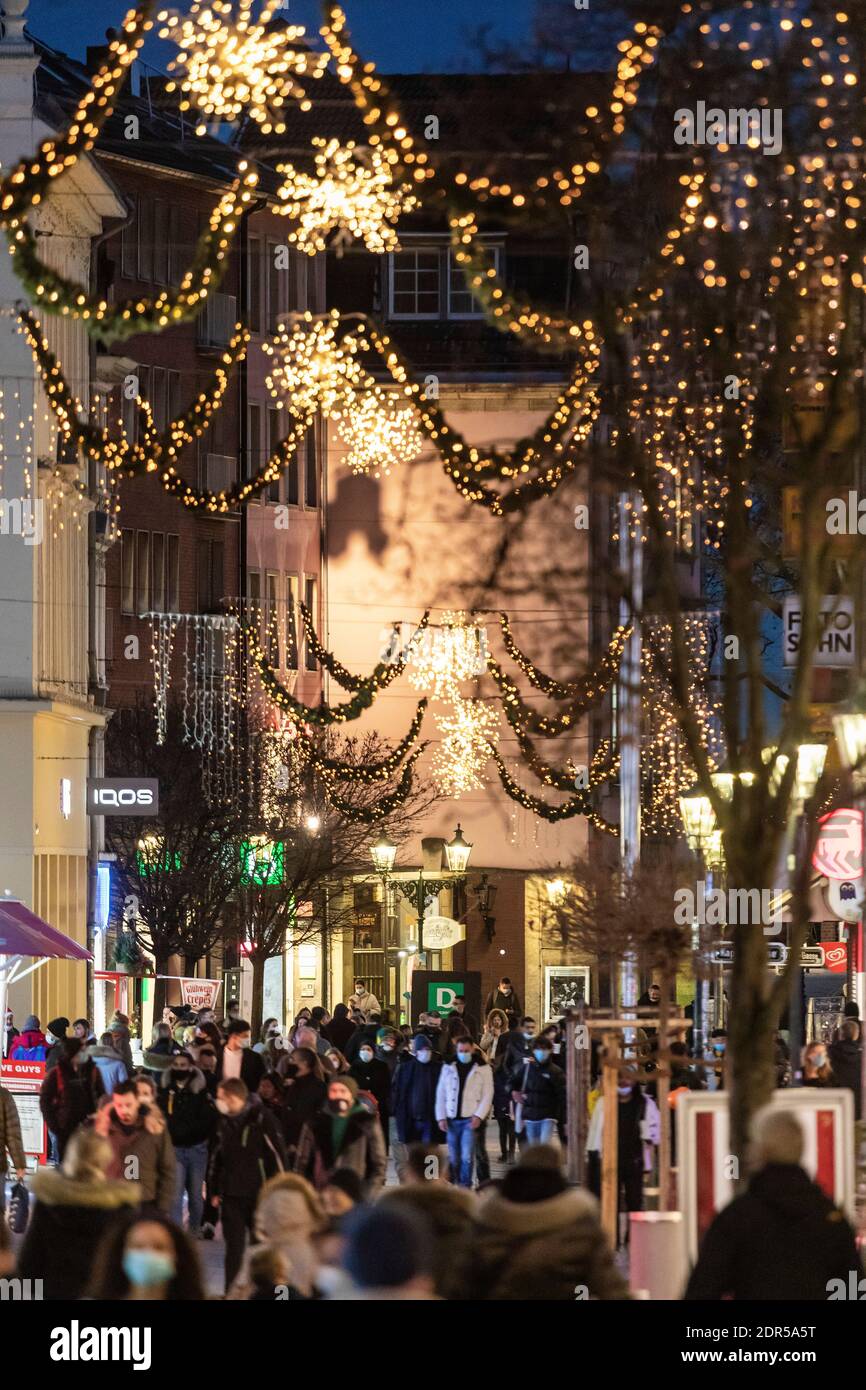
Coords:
315,368
351,194
467,733
231,63
377,436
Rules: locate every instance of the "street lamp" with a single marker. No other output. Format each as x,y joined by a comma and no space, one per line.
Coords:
485,894
420,892
557,891
850,729
699,824
699,819
810,765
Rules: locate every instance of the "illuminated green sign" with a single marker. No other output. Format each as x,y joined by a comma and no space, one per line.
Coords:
262,863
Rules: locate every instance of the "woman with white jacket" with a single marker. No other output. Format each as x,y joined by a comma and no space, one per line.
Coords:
464,1099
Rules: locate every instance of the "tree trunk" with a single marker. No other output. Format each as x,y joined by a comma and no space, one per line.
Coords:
257,962
751,1028
160,986
662,1092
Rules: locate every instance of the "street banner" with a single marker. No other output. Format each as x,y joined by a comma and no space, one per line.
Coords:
836,957
437,989
199,994
705,1178
24,1081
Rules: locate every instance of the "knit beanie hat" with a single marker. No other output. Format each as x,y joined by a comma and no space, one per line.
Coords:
421,1040
345,1080
537,1176
59,1027
31,1024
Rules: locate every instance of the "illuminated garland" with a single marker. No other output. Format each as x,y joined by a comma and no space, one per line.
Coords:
564,779
341,674
578,805
323,714
523,718
589,687
370,814
29,183
370,773
235,496
120,453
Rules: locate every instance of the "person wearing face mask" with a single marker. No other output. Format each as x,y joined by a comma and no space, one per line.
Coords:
464,1099
247,1150
413,1098
538,1085
816,1065
503,997
147,1259
388,1049
55,1034
638,1125
270,1029
520,1042
191,1118
373,1076
343,1135
237,1061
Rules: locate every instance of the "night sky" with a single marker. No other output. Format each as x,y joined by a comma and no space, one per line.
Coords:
399,35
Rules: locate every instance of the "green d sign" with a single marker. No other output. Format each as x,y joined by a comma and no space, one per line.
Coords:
442,993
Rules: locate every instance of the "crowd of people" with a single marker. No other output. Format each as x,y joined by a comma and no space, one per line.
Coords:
283,1143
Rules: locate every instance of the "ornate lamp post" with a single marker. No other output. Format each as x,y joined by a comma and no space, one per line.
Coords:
699,823
420,892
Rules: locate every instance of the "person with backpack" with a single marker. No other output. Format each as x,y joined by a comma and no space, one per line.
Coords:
31,1044
70,1092
538,1087
112,1067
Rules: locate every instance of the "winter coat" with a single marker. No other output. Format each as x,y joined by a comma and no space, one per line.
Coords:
366,1002
253,1068
477,1091
495,1050
144,1148
413,1096
508,1003
338,1032
123,1045
248,1150
68,1095
544,1089
646,1130
367,1033
69,1219
374,1077
303,1098
284,1222
190,1113
541,1250
31,1046
447,1211
362,1149
111,1065
9,1039
158,1057
845,1056
519,1049
10,1134
782,1240
391,1059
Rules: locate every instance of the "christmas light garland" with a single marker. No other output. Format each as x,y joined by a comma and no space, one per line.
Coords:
589,687
352,194
369,815
604,765
341,674
370,773
577,806
324,714
523,718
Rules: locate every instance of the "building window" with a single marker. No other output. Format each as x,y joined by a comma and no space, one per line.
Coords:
291,622
157,572
414,283
159,398
254,439
462,304
161,238
145,238
127,571
142,572
312,479
210,576
276,286
172,574
275,434
310,586
272,622
129,244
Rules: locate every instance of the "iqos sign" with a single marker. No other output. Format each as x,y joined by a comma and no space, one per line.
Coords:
122,796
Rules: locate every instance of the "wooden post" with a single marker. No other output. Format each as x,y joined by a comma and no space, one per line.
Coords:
576,1089
610,1139
662,1092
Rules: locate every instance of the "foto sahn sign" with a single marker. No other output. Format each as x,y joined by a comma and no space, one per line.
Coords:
835,646
122,796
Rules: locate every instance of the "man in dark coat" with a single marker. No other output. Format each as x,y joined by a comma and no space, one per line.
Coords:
845,1060
191,1117
340,1029
783,1239
503,997
374,1076
413,1094
237,1058
343,1135
247,1151
55,1034
70,1092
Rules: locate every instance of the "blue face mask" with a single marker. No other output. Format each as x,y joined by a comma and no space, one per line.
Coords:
146,1268
540,1054
464,1057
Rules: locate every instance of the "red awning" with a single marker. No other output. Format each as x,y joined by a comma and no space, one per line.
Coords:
22,933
